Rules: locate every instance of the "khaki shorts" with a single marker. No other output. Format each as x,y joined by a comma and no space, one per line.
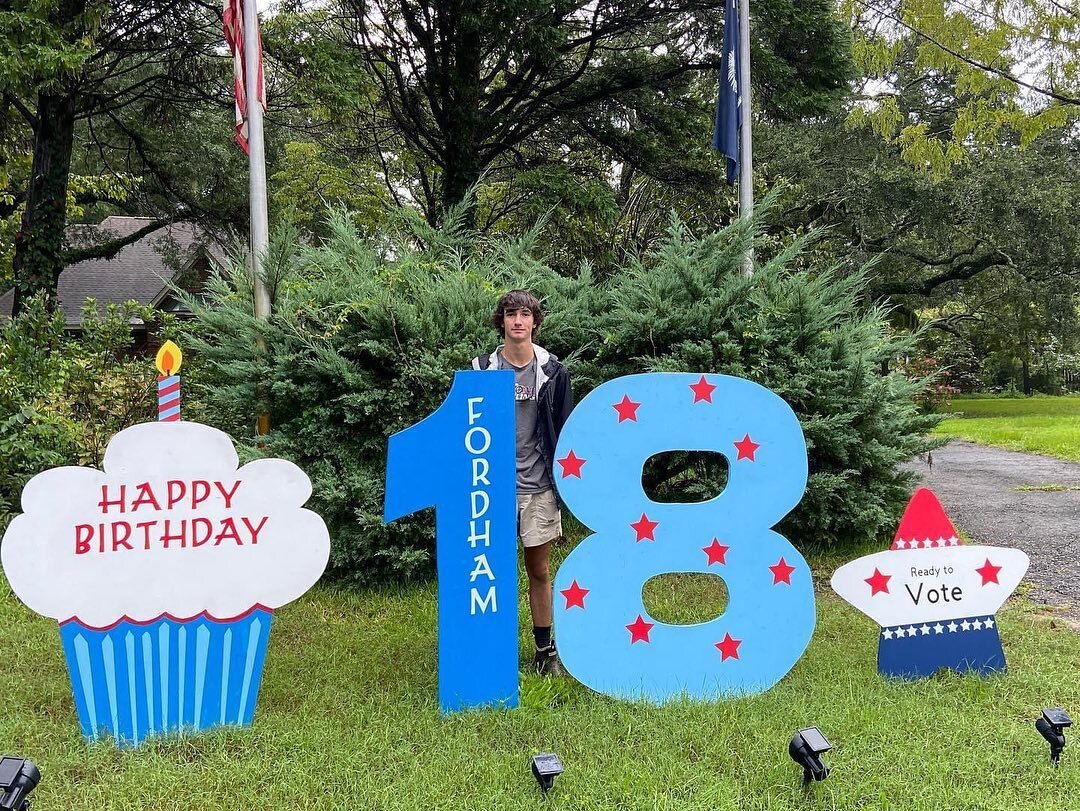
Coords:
539,519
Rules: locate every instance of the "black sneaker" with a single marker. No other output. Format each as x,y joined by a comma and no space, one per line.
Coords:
546,661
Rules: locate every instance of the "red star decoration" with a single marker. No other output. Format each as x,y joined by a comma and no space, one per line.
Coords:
879,582
627,408
715,551
781,572
644,528
571,465
575,595
989,572
639,630
703,390
728,647
746,447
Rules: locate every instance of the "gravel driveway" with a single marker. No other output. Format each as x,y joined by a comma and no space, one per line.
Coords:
983,491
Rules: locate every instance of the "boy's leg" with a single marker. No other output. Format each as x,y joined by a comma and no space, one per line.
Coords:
538,568
540,523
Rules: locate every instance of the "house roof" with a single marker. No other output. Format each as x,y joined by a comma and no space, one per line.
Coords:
138,272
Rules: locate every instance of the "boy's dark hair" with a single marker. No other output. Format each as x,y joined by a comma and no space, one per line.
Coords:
517,300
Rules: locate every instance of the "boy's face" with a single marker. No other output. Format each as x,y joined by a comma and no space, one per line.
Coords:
518,324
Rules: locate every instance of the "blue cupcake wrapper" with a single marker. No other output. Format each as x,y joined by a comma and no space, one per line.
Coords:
134,681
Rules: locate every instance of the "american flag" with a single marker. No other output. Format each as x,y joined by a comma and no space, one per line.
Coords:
233,25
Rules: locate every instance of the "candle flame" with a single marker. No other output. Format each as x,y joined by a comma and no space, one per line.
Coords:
169,358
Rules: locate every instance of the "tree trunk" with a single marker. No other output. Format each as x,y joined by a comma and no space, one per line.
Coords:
463,164
39,244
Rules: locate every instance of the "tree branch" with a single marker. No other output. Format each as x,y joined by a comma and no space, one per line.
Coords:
109,249
960,272
1004,74
15,102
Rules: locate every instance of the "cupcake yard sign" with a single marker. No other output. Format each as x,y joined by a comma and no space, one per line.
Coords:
163,570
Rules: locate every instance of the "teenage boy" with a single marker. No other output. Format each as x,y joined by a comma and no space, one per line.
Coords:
543,400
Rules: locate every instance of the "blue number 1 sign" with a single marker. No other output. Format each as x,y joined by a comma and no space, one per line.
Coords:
461,460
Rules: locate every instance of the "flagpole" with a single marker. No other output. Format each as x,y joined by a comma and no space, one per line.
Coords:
260,228
746,148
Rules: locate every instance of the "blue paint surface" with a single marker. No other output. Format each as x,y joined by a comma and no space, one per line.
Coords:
134,681
430,464
773,622
920,650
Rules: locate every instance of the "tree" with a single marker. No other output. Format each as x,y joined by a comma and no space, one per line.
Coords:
326,146
1015,66
989,253
469,85
88,58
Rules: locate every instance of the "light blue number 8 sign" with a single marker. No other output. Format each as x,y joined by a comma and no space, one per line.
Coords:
607,640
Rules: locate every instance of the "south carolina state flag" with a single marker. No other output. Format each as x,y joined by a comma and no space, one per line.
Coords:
725,138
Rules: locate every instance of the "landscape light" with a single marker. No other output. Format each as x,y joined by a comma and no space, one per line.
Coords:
805,749
1052,726
18,777
545,768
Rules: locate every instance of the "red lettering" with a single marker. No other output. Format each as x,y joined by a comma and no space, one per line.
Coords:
228,530
146,496
200,492
117,541
107,502
228,495
255,530
82,544
101,538
195,524
145,527
176,490
167,536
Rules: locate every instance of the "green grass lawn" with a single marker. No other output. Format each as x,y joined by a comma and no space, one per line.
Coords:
1047,425
348,719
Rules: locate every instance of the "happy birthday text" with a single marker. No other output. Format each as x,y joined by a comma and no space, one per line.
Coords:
144,528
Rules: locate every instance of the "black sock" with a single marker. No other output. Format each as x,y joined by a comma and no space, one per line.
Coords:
542,635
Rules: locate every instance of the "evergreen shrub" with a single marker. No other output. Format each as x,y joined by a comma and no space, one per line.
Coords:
63,396
364,340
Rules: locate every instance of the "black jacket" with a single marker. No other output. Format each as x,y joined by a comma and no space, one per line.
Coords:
554,399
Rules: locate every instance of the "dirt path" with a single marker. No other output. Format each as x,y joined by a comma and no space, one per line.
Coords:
984,490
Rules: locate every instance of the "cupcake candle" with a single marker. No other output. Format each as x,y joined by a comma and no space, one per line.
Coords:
168,361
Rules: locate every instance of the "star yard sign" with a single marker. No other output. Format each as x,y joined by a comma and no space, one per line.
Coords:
933,596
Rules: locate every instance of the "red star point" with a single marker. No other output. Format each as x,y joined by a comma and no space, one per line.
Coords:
639,630
627,408
703,390
728,647
989,572
879,583
781,572
644,528
746,447
575,596
571,465
716,552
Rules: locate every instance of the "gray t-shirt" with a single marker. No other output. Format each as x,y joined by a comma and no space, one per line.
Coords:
532,474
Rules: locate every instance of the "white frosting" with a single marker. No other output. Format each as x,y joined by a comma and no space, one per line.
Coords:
60,563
